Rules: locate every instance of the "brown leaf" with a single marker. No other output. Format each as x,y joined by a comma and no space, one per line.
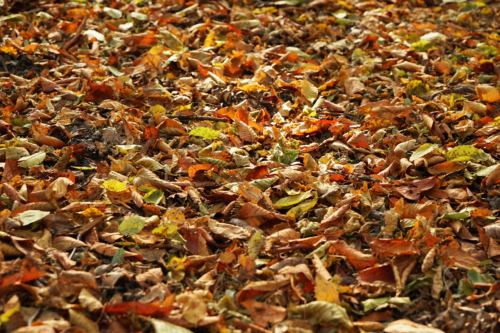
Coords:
264,314
88,301
110,251
446,168
336,219
392,247
255,215
245,132
79,319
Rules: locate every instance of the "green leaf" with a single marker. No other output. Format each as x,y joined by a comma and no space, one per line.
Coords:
487,49
419,283
114,13
289,156
325,313
29,161
154,196
295,212
485,263
373,303
456,216
21,122
139,16
465,153
204,132
32,216
465,287
423,150
165,327
131,225
119,257
475,277
264,183
291,200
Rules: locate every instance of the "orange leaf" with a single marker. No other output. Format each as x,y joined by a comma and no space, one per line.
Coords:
356,258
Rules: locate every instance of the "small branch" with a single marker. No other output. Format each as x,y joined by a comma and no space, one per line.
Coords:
77,35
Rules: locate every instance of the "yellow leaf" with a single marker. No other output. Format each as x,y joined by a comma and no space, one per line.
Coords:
92,212
254,245
291,200
175,216
210,40
158,109
204,132
176,264
295,212
166,231
114,185
8,49
5,317
465,153
327,291
418,88
423,150
253,87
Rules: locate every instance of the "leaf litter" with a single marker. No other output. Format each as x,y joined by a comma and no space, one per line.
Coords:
263,166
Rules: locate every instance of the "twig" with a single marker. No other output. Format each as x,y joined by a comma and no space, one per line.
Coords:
77,35
188,118
74,249
87,182
33,317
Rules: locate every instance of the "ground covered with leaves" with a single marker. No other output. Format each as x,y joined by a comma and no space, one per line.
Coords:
249,166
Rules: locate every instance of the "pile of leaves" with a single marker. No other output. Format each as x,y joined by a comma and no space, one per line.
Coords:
263,166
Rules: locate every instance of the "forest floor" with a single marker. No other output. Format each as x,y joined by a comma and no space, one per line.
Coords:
249,166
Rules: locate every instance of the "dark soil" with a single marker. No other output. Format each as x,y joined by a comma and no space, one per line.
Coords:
20,65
